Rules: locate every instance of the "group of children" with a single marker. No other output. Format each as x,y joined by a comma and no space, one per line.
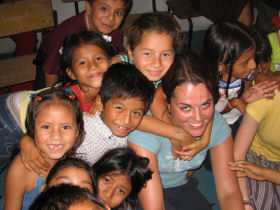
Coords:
76,132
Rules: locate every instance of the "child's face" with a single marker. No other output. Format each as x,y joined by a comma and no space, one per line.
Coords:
89,62
74,176
121,115
154,54
244,64
55,130
105,16
113,188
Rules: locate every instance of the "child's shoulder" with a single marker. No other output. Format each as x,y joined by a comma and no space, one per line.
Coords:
17,172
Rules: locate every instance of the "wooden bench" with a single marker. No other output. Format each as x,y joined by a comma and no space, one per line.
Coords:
19,17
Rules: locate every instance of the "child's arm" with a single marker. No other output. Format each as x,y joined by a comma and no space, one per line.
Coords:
30,156
239,104
15,185
254,171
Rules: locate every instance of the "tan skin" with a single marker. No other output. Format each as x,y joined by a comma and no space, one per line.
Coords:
199,114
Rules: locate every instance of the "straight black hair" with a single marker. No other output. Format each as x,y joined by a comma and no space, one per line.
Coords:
125,80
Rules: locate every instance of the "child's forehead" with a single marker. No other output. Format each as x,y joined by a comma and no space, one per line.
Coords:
112,2
135,102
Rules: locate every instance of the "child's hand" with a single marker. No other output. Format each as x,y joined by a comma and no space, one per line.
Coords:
189,151
249,169
31,158
92,110
259,91
176,146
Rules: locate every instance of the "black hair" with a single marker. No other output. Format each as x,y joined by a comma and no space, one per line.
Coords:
61,197
56,95
225,42
73,41
155,21
72,162
127,3
263,47
189,68
125,161
125,80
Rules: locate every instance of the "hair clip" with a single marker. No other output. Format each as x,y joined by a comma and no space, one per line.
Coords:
71,94
60,50
107,38
35,97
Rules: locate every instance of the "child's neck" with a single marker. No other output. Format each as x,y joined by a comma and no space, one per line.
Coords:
88,94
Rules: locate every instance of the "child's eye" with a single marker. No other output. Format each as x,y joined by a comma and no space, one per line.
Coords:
121,191
121,13
137,113
65,127
105,9
166,54
99,58
147,53
119,108
82,63
106,180
45,127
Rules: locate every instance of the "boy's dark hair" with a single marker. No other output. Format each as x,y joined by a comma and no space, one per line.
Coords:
155,21
225,42
125,80
73,41
127,3
125,161
263,47
72,162
61,197
56,95
189,68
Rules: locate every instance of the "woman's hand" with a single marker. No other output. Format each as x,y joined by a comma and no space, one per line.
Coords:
261,90
31,158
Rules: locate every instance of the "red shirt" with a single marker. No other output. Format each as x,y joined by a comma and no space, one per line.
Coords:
53,41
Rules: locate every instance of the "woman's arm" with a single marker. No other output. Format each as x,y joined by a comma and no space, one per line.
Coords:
16,184
228,192
243,140
151,196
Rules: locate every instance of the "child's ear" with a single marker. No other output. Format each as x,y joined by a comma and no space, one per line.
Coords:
129,52
88,7
70,74
43,188
99,104
222,68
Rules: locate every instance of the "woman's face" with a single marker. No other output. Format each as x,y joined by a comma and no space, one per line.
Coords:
192,108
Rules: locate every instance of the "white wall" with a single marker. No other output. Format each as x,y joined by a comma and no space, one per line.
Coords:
66,10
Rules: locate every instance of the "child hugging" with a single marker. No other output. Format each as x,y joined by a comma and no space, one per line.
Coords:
85,58
54,120
100,16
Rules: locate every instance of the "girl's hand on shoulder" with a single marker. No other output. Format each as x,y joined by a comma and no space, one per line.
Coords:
92,110
189,151
261,90
31,158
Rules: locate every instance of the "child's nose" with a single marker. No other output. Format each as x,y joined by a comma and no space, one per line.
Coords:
125,118
108,193
156,61
56,134
252,64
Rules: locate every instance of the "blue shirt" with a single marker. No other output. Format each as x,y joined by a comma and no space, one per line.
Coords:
173,172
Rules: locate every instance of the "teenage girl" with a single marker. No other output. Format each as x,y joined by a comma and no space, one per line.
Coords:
85,57
54,120
72,171
100,16
230,49
153,41
121,174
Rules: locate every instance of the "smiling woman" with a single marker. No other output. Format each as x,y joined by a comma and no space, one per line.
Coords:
191,93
